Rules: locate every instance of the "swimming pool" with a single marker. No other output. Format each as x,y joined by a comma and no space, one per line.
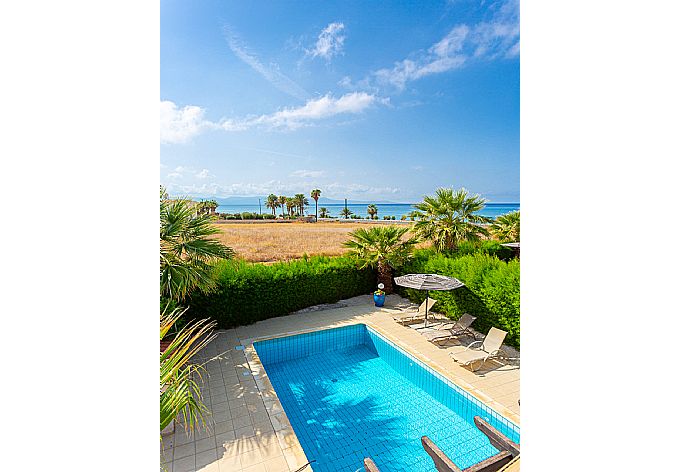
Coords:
349,393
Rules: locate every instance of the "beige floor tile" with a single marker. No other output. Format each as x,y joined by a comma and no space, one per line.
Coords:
206,457
230,464
223,427
250,458
184,465
205,444
183,450
277,464
241,422
245,432
256,468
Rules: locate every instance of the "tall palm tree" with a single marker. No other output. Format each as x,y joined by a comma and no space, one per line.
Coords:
282,200
324,212
507,227
315,194
291,206
372,210
300,202
382,247
345,212
187,252
272,203
450,217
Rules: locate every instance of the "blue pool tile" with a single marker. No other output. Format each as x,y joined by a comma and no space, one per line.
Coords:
350,394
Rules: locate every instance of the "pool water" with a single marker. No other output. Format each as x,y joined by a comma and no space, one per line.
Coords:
349,394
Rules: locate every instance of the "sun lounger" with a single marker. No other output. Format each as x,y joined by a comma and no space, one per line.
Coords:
488,348
458,329
410,316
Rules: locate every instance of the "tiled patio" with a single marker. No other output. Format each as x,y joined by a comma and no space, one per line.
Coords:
248,430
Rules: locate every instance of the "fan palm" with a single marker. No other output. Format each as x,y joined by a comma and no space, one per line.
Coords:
382,247
372,210
300,202
272,203
507,227
282,200
179,391
323,212
450,217
186,250
315,194
345,212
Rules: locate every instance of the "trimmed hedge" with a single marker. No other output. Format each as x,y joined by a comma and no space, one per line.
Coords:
246,292
491,292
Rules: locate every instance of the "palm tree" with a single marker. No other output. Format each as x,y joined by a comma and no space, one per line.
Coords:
315,194
291,205
186,250
507,227
450,217
272,203
282,200
382,247
179,391
372,210
324,212
345,212
300,202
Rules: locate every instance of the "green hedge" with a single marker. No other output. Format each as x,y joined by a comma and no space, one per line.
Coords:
491,292
246,292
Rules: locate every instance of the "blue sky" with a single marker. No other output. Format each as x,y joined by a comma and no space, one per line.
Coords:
369,101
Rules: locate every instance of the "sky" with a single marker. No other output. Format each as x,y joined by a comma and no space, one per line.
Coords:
380,101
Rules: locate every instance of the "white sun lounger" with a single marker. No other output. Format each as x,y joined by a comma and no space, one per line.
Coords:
459,328
410,316
488,348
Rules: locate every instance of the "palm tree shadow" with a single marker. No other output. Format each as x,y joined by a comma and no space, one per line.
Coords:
338,426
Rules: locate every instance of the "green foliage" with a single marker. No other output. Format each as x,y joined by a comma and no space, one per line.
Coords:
507,227
187,251
491,292
381,243
450,217
246,293
179,390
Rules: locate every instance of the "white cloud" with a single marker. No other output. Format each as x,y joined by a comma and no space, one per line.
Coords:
489,40
330,42
179,125
203,174
314,110
331,190
308,173
174,175
269,72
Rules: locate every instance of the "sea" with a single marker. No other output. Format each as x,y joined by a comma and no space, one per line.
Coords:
397,210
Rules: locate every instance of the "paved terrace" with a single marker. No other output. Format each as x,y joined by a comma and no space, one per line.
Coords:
248,430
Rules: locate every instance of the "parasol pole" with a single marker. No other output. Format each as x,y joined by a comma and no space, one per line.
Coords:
426,308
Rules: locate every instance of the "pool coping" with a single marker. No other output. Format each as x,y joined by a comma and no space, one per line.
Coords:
287,438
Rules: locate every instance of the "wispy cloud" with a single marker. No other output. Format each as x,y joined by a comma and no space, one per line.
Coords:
314,110
180,125
269,72
332,189
308,173
330,42
499,37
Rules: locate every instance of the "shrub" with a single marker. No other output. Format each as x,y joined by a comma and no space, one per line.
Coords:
491,291
246,293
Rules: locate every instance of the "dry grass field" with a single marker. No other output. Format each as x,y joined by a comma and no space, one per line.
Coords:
269,242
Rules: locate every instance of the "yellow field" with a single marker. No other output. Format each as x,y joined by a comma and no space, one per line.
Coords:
268,242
